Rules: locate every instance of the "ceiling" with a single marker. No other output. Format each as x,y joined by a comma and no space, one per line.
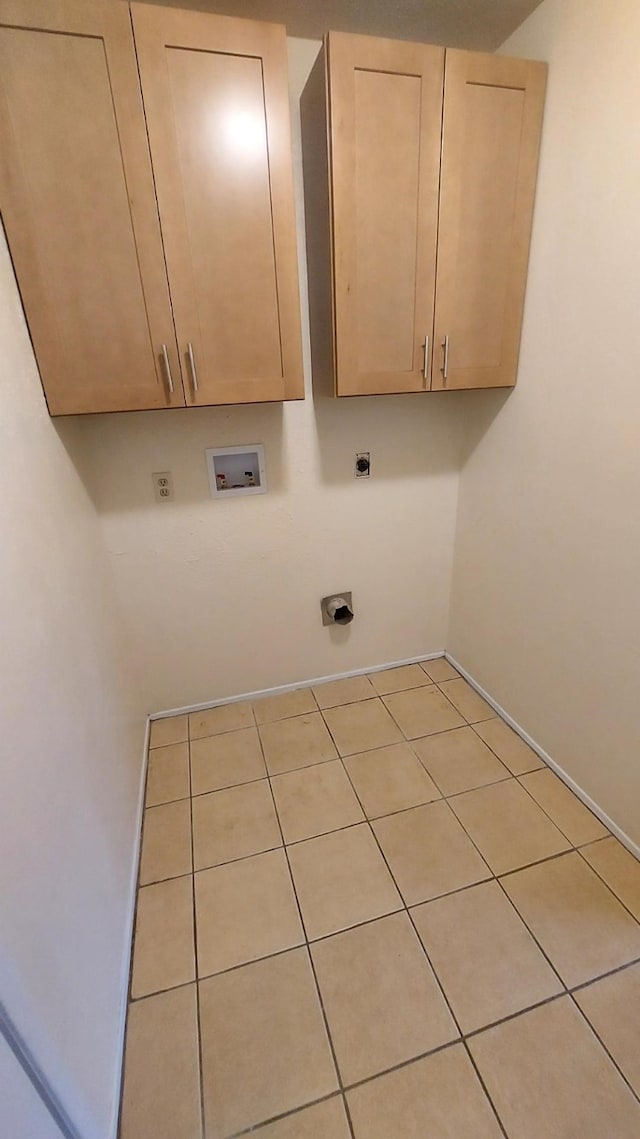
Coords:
477,24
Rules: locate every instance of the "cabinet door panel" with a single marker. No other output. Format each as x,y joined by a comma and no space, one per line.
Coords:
215,94
491,132
79,207
386,105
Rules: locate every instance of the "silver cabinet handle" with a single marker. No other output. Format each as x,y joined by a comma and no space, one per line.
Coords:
167,367
445,362
192,365
425,369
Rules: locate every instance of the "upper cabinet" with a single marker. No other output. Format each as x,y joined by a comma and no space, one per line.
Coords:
216,101
492,120
418,241
79,208
156,269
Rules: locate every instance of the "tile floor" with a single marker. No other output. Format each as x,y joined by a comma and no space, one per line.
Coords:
367,910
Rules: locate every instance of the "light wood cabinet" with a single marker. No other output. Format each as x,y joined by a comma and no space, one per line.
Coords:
216,99
79,206
155,256
418,257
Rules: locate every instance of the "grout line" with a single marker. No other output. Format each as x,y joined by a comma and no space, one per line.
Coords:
305,767
468,790
309,956
565,990
574,845
349,703
405,1064
160,992
433,970
540,765
302,944
484,1087
473,1032
256,1128
624,905
604,976
635,1094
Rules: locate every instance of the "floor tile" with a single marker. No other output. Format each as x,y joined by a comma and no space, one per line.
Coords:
485,958
362,727
245,910
234,823
439,669
380,996
168,774
508,746
163,954
612,1006
620,870
572,817
226,760
326,1120
428,852
350,690
224,718
341,880
506,825
422,711
459,761
297,742
161,1096
579,923
439,1097
548,1076
397,679
467,701
390,779
166,842
315,800
283,705
264,1045
169,730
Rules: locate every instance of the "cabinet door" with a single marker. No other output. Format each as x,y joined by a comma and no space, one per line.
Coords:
216,98
385,101
491,134
79,208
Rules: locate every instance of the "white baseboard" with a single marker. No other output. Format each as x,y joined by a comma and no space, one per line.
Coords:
292,687
575,787
128,944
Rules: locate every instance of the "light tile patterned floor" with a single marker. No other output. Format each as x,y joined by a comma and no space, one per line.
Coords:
367,910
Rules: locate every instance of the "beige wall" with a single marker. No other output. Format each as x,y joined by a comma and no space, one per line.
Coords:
223,597
545,609
70,754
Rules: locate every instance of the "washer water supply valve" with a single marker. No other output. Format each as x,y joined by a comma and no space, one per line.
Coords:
337,609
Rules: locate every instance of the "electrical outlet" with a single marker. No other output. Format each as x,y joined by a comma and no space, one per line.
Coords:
163,486
363,465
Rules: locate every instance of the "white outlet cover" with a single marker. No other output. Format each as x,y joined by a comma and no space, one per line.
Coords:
235,471
163,486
